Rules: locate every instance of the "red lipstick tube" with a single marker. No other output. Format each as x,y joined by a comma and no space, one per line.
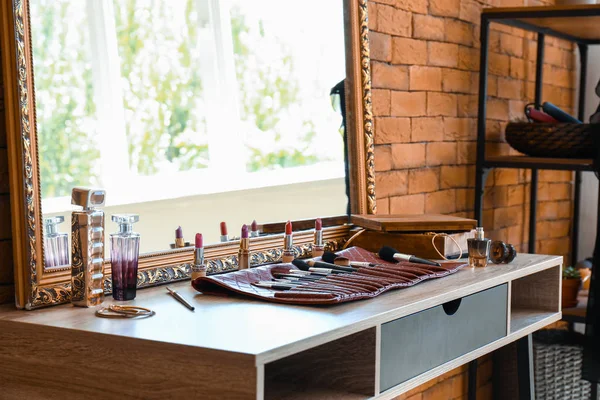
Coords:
224,236
318,248
288,244
244,252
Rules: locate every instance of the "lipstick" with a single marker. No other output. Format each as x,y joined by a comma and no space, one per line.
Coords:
318,248
244,252
254,229
198,269
288,244
179,242
224,236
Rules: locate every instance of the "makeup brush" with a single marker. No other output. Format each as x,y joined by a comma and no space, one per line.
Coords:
321,264
179,242
274,285
254,229
224,236
303,265
390,254
332,258
288,244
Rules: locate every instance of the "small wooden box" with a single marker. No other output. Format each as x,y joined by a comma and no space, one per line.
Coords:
418,244
414,223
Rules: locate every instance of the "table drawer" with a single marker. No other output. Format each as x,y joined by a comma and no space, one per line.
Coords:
419,342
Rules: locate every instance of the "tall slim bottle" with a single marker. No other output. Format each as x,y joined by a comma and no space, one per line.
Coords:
56,244
125,249
87,247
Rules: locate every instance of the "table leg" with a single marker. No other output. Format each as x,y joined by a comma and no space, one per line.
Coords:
472,393
525,368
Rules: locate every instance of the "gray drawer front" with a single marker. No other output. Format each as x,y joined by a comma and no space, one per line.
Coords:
419,342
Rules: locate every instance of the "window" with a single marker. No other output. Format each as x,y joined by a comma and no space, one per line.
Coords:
154,99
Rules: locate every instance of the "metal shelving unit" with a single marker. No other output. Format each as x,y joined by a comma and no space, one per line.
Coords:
580,25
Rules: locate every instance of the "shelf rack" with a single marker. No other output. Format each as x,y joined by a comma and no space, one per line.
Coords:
578,24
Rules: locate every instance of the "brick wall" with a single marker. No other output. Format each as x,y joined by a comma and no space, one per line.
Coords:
425,68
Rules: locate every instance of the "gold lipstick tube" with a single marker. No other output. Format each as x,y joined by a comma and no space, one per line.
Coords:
179,243
288,249
318,249
199,268
244,254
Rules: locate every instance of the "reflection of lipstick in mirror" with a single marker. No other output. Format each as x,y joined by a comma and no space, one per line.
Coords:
244,252
288,244
224,236
254,229
179,242
318,248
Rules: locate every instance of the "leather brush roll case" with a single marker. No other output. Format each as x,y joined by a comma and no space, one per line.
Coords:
366,283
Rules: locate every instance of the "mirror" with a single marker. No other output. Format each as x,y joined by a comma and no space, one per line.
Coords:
189,112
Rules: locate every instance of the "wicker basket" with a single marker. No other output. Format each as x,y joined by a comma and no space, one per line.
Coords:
558,371
553,140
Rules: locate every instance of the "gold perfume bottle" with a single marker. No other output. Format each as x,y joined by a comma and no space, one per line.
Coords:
479,249
87,247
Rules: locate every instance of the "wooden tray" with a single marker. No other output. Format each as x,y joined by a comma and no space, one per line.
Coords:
414,223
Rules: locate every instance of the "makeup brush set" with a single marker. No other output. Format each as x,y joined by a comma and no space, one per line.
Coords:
351,274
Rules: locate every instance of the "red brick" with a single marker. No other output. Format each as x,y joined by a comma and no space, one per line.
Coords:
466,152
381,102
516,195
393,21
392,183
408,205
409,51
510,88
418,6
409,104
554,246
508,216
468,58
499,64
444,8
459,32
470,10
440,202
423,180
506,177
443,54
497,109
383,158
380,46
559,76
467,105
515,109
408,155
372,10
456,81
548,210
441,153
428,27
555,176
511,45
453,177
383,206
517,68
465,199
425,78
392,130
427,129
443,104
387,76
564,209
460,129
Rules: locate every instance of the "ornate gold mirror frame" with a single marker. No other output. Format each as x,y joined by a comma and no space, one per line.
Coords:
36,288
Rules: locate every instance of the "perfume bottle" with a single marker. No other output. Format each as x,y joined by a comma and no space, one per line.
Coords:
479,249
87,247
56,244
125,249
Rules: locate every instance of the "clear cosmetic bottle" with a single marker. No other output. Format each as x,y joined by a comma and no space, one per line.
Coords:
125,249
56,244
479,249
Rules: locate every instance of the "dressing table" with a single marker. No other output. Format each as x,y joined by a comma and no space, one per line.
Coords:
236,348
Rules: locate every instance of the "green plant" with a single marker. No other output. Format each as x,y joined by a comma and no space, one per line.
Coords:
571,273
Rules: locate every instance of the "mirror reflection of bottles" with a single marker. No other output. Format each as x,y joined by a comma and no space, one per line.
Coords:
124,253
56,244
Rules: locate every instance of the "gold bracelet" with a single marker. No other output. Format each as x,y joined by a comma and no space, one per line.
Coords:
118,311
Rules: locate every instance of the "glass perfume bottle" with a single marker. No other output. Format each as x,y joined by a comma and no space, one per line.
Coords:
479,249
56,244
125,249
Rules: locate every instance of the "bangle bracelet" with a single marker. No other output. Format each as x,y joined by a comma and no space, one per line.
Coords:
117,311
